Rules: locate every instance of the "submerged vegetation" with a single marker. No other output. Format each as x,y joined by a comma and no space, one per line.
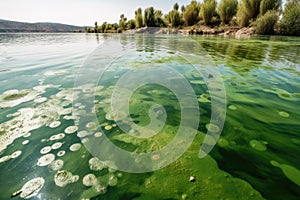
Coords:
265,16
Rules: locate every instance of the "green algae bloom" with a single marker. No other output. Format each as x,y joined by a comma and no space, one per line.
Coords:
112,181
96,165
283,114
32,187
290,172
40,100
259,87
57,137
197,82
75,147
45,150
204,98
55,124
4,159
98,134
64,177
16,154
212,128
46,159
56,145
82,134
108,127
232,107
13,98
89,180
222,142
56,165
258,145
91,125
25,142
61,153
71,129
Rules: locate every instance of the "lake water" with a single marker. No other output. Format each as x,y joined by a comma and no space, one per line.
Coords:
59,130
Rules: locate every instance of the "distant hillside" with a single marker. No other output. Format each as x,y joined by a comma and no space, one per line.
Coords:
12,26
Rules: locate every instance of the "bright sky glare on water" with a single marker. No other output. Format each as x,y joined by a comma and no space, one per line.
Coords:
78,12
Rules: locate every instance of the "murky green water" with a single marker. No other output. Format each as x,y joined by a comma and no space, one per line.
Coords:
256,157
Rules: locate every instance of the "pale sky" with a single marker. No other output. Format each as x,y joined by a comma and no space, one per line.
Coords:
78,12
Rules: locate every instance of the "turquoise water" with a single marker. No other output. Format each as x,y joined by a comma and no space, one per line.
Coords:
256,156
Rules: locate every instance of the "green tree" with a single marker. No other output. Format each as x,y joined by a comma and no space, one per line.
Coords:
290,22
115,26
96,27
208,9
264,25
158,15
182,8
122,22
247,10
103,28
191,13
174,18
139,18
131,24
266,5
227,10
89,30
176,6
149,18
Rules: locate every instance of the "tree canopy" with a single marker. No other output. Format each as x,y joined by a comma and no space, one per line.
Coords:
290,22
227,10
262,14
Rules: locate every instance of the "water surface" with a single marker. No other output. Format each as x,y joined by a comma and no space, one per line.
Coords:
256,156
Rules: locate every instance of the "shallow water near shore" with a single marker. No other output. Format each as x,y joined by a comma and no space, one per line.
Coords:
256,156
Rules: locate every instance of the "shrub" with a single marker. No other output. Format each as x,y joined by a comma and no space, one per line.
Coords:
176,6
158,18
208,10
265,24
191,13
149,18
290,22
174,18
103,27
122,22
266,5
227,10
182,8
247,10
139,18
131,24
114,26
96,27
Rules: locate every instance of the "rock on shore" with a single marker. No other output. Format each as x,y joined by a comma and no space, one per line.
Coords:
244,33
152,30
202,30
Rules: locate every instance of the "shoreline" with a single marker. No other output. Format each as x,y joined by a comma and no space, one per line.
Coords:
199,30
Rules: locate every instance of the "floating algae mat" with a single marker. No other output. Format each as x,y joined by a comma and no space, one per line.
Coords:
45,154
